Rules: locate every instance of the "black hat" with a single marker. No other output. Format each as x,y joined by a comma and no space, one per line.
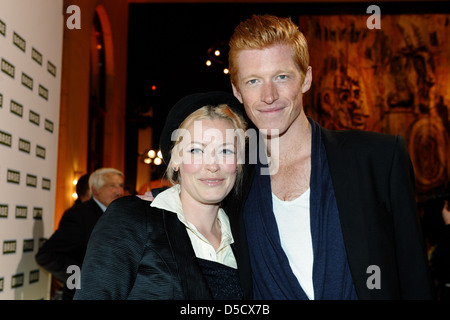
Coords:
187,105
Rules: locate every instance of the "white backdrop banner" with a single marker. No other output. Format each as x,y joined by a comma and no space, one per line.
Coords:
31,34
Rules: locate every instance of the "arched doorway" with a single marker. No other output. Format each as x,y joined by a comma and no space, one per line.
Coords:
97,96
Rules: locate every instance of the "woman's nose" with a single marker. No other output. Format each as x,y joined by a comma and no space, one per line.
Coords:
211,162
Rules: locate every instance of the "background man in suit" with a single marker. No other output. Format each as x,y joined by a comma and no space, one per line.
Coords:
67,246
82,189
336,218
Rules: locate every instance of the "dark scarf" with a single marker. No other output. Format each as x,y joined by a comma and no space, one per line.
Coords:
273,278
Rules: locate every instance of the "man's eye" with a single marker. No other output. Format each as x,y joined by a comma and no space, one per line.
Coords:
252,81
282,76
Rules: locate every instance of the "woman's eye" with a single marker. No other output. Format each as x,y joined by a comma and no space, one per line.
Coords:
228,151
195,150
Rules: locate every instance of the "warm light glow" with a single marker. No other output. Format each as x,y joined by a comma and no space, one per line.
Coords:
75,181
226,71
217,53
151,154
159,154
153,88
158,161
148,160
99,47
208,63
75,195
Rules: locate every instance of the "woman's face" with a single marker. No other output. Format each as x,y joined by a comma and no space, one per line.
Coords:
207,160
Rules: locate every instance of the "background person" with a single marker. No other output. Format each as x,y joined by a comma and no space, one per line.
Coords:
82,189
441,260
67,246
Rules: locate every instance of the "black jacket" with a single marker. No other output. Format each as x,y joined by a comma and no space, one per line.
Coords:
138,252
67,246
373,180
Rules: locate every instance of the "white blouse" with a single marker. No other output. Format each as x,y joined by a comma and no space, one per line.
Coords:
170,200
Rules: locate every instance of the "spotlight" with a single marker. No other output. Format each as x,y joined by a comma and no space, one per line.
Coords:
151,153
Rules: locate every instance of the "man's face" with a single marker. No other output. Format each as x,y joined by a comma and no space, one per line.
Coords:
270,87
111,190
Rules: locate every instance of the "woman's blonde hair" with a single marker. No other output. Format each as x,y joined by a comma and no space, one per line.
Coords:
264,31
208,112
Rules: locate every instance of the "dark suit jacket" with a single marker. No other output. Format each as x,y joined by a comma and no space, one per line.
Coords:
138,252
67,246
373,181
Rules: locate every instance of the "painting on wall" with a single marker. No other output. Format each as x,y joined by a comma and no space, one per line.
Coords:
395,79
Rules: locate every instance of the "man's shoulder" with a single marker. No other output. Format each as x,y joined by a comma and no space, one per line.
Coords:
359,138
84,206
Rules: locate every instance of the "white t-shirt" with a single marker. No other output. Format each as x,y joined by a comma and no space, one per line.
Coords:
295,234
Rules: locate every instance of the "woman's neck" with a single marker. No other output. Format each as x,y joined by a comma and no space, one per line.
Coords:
204,217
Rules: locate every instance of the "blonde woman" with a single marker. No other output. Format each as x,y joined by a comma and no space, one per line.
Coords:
179,245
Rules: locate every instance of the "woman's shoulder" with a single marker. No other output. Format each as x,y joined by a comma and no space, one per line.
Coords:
128,203
128,208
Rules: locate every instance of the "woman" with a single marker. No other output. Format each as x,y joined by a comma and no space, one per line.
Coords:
179,246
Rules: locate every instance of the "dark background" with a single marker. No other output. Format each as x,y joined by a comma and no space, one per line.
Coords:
168,45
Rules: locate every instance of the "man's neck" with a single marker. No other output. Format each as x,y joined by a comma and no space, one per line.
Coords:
293,145
101,205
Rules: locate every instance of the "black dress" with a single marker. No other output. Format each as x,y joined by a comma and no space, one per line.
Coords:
223,281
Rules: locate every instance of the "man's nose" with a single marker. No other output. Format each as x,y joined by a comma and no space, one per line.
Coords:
270,93
119,191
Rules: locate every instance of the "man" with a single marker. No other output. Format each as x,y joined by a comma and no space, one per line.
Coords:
442,255
82,189
336,218
67,246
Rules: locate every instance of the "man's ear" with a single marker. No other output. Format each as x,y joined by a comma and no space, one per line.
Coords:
94,191
236,93
307,81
